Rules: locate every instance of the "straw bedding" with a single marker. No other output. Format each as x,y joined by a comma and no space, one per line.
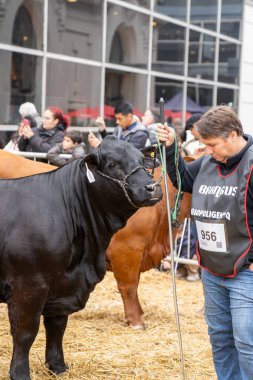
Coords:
98,345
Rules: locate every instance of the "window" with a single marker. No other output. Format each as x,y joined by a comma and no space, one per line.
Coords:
229,57
172,8
75,29
231,17
201,55
168,47
204,13
21,25
20,81
75,88
123,86
228,96
127,37
201,95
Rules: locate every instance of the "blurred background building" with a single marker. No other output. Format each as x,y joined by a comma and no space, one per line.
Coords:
87,55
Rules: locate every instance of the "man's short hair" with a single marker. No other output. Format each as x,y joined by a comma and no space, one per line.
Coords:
219,121
156,114
192,120
124,107
75,136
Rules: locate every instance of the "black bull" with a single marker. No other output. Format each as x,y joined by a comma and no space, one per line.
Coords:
54,230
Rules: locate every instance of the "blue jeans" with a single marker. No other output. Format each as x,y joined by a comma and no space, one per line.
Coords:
229,315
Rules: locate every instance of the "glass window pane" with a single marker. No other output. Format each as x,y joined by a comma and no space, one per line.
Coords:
172,93
228,96
123,86
231,18
22,23
127,37
201,95
204,13
140,3
168,47
75,88
201,55
172,8
20,81
229,59
75,28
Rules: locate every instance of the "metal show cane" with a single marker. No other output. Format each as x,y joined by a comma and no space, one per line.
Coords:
161,104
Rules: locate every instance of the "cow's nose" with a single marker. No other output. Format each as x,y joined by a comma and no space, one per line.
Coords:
151,186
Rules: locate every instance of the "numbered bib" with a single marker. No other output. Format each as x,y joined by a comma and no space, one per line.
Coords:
212,236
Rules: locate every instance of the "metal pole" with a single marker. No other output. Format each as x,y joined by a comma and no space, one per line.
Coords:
180,245
161,104
189,239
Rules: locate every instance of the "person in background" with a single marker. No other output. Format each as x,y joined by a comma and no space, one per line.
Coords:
150,118
41,139
13,143
189,272
193,146
29,109
72,144
127,129
221,184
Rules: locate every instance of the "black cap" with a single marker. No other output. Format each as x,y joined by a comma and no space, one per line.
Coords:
192,120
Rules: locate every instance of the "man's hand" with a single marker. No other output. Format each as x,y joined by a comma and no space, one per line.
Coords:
201,150
251,267
165,134
101,124
93,140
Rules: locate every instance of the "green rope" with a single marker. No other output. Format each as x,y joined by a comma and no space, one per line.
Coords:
178,197
175,210
163,171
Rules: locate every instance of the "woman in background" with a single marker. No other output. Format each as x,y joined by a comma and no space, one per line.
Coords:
41,139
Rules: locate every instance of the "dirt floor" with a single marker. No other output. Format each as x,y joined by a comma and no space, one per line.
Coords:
98,345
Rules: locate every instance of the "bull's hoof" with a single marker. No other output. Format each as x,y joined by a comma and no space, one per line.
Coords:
57,369
138,327
165,266
13,376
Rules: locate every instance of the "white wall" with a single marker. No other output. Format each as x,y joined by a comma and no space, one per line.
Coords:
246,78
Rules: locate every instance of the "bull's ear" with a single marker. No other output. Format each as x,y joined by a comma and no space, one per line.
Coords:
150,157
91,159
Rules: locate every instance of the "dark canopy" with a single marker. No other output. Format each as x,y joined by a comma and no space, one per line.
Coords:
176,104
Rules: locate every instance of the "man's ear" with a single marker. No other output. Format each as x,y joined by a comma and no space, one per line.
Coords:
150,157
91,159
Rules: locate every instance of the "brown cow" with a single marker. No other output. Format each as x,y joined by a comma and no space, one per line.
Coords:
13,166
138,247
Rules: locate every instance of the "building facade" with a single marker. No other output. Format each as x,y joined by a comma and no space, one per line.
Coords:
87,55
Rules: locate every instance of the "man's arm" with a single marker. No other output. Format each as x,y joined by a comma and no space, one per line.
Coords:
102,127
139,139
187,171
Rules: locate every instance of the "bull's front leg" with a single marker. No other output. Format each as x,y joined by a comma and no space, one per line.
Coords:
132,307
24,309
55,328
126,270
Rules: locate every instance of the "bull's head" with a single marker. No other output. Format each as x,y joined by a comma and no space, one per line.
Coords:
121,162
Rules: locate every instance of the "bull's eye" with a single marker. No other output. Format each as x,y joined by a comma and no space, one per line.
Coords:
111,165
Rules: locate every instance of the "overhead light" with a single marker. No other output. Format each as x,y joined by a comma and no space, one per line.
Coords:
25,38
72,1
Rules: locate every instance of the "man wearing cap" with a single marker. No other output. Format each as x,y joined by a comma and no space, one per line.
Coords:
193,146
